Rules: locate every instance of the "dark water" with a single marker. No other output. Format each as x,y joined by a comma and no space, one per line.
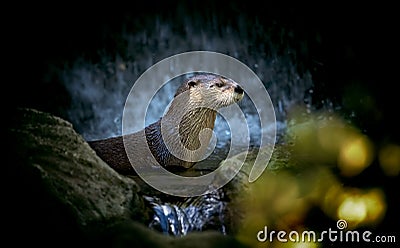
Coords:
83,66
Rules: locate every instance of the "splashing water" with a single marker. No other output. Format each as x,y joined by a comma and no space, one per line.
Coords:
192,214
99,90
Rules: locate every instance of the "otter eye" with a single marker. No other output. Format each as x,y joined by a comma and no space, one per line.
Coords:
192,83
219,84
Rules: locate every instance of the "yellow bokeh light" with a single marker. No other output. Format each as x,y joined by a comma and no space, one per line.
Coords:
353,209
376,205
389,159
355,155
362,207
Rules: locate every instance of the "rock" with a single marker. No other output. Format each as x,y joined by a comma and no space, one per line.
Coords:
60,193
59,184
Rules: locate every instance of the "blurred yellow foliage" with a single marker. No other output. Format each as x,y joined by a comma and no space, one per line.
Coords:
356,153
281,198
329,140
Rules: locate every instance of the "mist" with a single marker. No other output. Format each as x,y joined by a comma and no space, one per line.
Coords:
99,90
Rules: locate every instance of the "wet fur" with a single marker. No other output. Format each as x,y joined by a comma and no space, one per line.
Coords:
204,87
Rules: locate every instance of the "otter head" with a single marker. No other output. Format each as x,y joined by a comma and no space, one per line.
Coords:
211,90
187,126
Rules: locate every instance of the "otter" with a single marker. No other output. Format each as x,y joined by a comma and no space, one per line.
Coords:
176,140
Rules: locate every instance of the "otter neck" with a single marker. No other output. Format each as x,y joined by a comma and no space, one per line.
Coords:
193,123
180,128
188,122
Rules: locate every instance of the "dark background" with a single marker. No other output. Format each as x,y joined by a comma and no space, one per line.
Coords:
349,51
345,47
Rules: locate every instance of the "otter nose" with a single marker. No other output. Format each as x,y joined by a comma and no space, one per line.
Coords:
238,89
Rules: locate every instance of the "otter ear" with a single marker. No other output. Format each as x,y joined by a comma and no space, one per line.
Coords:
192,83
